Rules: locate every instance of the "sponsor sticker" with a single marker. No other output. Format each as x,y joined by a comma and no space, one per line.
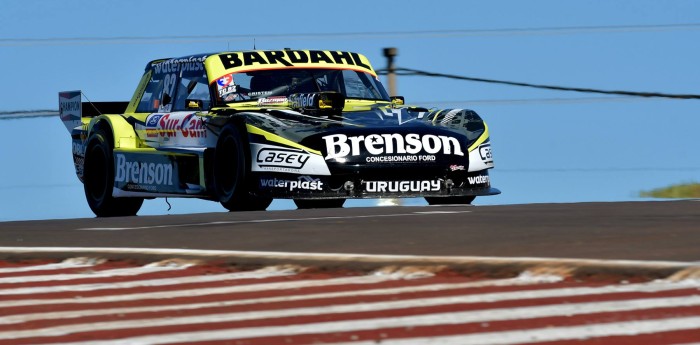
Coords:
301,101
481,158
402,186
289,160
192,63
152,125
291,58
282,158
479,179
185,125
485,153
228,90
70,108
78,148
301,183
225,85
142,175
225,81
340,146
273,100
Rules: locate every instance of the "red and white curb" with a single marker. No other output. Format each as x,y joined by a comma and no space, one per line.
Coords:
97,301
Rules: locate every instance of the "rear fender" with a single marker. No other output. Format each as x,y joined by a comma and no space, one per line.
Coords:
122,133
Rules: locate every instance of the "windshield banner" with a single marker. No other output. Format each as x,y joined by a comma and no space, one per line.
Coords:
237,62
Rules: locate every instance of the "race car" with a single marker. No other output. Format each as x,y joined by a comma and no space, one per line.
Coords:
246,127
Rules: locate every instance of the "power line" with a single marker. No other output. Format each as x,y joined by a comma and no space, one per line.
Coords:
23,114
55,41
526,101
414,72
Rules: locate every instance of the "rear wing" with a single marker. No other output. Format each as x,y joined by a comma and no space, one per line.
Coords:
72,109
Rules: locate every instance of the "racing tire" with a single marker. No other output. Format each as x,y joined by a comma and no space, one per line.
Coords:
231,172
98,180
450,200
319,203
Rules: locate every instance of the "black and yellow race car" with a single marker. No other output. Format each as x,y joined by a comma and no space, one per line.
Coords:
243,128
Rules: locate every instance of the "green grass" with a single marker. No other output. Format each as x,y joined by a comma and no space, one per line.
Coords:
678,191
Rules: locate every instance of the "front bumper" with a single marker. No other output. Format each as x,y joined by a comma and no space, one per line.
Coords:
461,183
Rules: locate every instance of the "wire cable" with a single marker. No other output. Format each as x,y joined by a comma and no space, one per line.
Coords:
415,72
163,39
23,114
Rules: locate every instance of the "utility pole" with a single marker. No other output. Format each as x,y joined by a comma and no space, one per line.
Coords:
390,53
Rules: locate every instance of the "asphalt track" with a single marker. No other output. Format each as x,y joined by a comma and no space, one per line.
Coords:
666,230
441,275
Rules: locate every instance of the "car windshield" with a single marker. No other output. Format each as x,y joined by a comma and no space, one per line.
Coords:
252,85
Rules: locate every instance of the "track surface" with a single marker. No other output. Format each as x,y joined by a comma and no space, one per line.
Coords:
632,230
116,303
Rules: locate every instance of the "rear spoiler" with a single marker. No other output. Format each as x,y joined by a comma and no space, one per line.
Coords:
72,109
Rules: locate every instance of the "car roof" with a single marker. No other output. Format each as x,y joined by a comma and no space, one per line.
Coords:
332,56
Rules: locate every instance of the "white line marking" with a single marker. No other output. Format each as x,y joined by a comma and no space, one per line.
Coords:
489,315
353,258
119,272
200,292
263,221
46,267
143,283
17,318
629,328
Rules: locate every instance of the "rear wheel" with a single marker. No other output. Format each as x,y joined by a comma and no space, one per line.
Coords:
319,203
231,173
448,200
98,180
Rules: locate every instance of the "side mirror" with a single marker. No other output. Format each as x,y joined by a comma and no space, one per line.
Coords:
166,99
194,104
397,100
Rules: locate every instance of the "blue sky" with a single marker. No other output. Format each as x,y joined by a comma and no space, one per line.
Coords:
548,146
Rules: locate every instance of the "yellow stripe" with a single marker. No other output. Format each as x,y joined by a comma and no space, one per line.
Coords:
278,139
436,115
484,136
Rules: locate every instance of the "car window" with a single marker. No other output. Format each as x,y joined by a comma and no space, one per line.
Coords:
150,101
160,93
251,85
358,85
193,86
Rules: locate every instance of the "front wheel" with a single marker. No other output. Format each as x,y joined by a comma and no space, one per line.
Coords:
450,200
232,171
98,180
319,203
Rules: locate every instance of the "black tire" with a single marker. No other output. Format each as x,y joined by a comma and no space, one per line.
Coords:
450,200
231,170
98,180
319,203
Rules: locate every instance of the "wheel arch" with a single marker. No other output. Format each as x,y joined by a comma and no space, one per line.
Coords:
98,182
240,123
240,196
121,134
